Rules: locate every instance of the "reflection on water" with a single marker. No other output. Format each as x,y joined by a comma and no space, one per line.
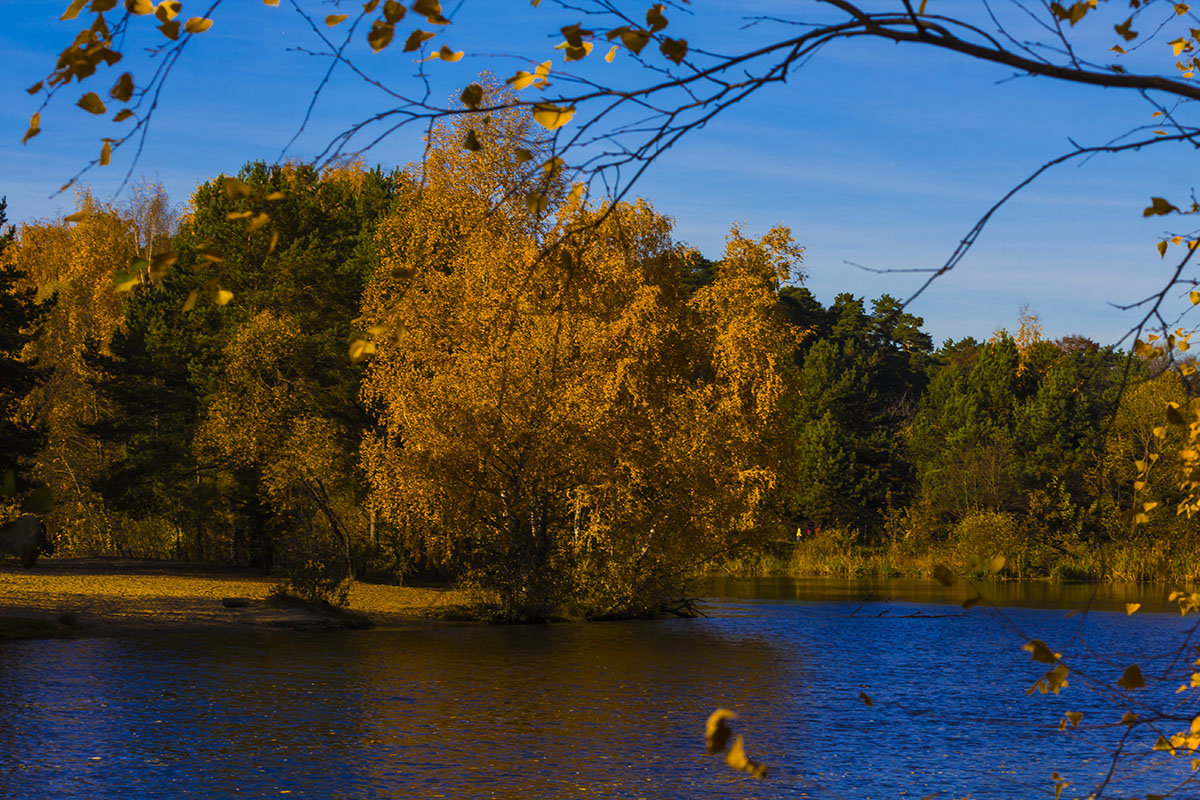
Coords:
1031,594
600,710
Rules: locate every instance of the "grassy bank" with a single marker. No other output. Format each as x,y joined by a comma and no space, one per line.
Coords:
839,554
106,594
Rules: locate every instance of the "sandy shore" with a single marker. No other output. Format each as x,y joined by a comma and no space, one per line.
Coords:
108,595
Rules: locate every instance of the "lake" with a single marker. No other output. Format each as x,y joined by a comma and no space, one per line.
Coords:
614,709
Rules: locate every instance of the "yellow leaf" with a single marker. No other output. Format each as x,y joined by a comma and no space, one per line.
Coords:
1181,8
1158,207
1149,506
997,564
271,3
577,53
551,116
236,215
197,25
124,282
471,141
736,758
393,12
674,49
160,265
1040,651
139,7
446,54
1162,249
257,222
1160,432
867,701
273,196
361,350
78,216
1131,608
1132,678
536,202
91,103
190,303
73,10
35,127
472,96
336,19
655,18
612,51
167,10
381,34
521,79
1074,717
170,29
123,89
105,153
717,730
219,295
415,39
522,155
274,241
635,39
432,9
576,193
236,189
1116,48
944,576
1178,45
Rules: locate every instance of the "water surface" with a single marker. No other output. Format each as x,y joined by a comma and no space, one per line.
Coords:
600,710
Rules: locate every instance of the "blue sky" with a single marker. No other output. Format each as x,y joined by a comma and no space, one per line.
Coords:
876,154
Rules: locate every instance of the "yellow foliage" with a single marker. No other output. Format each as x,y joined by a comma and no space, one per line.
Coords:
73,262
553,404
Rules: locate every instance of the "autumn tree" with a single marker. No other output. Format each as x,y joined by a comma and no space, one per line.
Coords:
556,413
20,319
235,405
75,261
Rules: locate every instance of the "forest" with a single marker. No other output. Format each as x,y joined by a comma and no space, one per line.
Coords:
465,371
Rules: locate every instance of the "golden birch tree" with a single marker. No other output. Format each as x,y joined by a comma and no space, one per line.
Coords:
555,411
74,262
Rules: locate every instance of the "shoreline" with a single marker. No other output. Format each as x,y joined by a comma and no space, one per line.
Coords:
111,596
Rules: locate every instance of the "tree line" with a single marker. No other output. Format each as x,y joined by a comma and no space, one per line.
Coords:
466,369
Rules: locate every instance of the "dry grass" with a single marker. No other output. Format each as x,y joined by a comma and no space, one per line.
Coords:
103,593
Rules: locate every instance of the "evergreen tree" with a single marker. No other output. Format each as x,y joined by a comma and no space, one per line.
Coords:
21,318
860,377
